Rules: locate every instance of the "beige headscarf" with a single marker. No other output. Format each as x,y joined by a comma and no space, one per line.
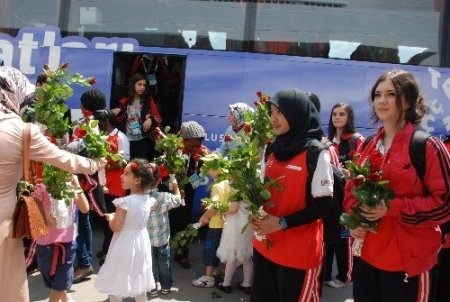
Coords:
17,87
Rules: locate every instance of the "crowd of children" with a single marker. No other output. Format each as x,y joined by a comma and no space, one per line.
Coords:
140,214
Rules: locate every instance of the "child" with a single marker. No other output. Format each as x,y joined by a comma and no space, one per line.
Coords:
91,101
159,229
219,192
127,270
193,135
119,144
56,251
236,247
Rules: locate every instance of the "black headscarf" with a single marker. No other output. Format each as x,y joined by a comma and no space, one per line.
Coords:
304,122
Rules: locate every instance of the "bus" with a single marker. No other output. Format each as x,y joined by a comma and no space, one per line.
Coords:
202,55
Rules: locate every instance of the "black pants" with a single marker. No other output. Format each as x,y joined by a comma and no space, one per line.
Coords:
440,280
341,249
374,285
276,283
143,148
107,232
180,217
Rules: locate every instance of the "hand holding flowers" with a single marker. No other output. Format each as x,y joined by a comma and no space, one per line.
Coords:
242,166
172,157
372,194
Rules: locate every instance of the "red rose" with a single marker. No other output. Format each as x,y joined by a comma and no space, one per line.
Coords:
196,156
259,93
133,166
263,101
86,113
64,66
376,162
268,141
163,172
92,80
256,103
359,180
247,128
227,138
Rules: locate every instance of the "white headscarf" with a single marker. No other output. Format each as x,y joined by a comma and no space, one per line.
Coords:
19,87
238,111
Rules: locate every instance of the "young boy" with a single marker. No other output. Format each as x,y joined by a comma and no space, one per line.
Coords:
219,192
159,230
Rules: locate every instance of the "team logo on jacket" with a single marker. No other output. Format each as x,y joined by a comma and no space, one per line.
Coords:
326,183
292,167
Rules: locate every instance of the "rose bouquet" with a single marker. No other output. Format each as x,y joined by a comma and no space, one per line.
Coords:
242,166
172,157
370,190
49,111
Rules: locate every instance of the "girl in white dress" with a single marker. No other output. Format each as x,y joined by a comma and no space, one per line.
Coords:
236,247
127,271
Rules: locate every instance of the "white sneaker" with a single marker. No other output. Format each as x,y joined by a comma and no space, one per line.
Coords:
203,281
336,283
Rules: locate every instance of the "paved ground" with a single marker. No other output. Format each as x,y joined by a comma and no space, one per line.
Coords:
182,290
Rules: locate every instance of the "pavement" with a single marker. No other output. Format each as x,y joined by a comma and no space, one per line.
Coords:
182,290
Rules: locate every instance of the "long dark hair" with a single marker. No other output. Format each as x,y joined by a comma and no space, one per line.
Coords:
134,79
349,125
405,85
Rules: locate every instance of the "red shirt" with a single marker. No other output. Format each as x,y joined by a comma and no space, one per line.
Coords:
298,247
113,173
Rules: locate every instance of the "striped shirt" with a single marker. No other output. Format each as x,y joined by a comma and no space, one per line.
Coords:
158,225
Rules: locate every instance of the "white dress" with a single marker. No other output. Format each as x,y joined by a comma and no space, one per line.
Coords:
127,271
235,245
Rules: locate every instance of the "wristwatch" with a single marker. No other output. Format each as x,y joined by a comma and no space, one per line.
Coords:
282,223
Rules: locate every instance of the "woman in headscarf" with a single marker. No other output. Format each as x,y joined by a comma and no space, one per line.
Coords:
13,90
289,270
236,119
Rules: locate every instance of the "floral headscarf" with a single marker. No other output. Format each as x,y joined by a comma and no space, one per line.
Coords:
238,112
14,87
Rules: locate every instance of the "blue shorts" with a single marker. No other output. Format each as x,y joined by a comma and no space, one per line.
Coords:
210,248
62,276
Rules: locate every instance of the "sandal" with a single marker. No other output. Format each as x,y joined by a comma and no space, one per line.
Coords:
82,274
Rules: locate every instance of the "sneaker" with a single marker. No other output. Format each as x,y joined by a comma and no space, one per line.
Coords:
153,292
203,281
336,283
165,291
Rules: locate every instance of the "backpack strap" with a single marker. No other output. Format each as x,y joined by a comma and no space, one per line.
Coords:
417,149
353,140
367,141
417,152
312,155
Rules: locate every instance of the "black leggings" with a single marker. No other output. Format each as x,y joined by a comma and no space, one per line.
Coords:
371,284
